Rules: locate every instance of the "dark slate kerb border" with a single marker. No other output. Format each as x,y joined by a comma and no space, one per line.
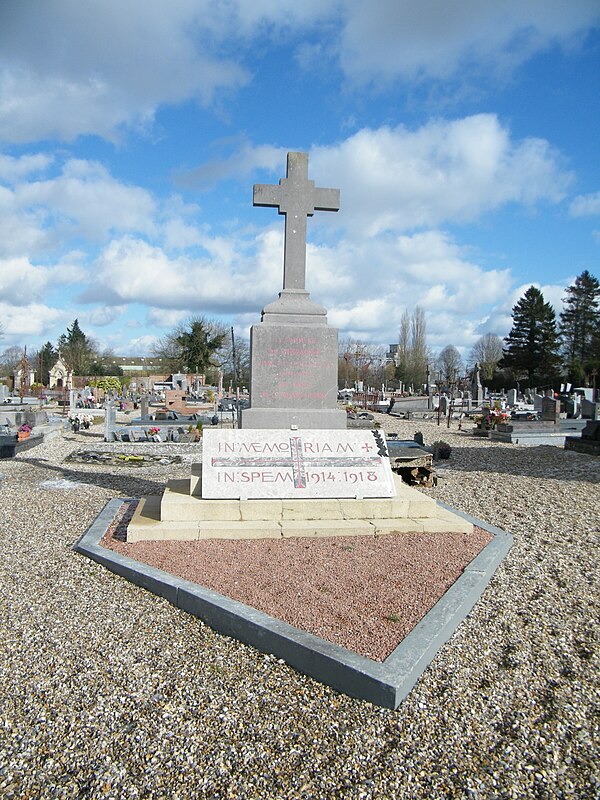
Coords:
382,683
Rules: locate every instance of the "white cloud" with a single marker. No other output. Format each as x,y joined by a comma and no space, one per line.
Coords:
165,318
82,200
31,320
243,161
132,270
429,39
13,169
140,345
88,201
585,205
73,69
362,317
104,315
21,230
22,282
393,179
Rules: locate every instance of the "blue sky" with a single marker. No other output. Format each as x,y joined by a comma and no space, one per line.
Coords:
464,139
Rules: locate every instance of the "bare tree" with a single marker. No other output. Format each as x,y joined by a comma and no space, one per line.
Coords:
234,361
487,352
418,346
412,356
360,361
403,355
450,364
9,359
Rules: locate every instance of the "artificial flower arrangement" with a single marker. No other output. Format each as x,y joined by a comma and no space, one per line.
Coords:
77,420
491,418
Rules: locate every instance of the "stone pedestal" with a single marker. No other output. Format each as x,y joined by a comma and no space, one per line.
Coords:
293,367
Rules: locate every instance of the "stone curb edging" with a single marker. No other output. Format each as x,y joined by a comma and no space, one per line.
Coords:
384,683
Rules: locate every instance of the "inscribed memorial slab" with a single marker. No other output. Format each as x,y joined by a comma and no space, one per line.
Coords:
252,464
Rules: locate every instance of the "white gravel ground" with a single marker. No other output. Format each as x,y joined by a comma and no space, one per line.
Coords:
106,691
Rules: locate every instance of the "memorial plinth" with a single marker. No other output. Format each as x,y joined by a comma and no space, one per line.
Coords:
293,469
293,351
293,375
275,484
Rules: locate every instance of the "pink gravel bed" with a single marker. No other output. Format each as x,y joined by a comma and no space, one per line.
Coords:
365,593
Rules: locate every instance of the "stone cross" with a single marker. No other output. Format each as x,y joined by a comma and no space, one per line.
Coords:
296,197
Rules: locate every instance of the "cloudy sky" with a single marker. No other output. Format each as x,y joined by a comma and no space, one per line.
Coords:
464,138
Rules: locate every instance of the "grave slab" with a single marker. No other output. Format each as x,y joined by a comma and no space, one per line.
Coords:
303,464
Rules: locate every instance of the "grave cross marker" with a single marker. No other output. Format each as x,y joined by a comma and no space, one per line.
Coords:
296,197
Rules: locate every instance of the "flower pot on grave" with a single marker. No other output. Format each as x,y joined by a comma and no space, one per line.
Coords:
23,435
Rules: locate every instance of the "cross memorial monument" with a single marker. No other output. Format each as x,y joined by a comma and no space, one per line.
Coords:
293,351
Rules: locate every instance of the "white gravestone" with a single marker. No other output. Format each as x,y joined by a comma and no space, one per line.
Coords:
252,464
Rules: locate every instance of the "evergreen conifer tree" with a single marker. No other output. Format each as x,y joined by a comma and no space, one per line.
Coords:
46,359
76,349
580,327
532,345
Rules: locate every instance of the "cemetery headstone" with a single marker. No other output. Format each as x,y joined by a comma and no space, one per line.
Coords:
476,387
293,351
144,405
550,409
590,410
110,421
511,397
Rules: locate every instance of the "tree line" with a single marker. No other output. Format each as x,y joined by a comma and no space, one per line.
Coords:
79,352
541,349
200,346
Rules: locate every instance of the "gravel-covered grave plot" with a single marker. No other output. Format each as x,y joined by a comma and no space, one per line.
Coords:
365,593
109,691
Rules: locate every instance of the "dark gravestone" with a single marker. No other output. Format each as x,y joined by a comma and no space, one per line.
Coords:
293,351
588,442
590,410
550,409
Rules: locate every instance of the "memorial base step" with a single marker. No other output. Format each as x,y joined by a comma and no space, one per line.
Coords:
179,515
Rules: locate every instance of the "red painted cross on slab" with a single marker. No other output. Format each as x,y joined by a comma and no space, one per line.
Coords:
299,462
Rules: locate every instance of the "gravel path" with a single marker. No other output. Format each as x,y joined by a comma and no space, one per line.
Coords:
108,691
